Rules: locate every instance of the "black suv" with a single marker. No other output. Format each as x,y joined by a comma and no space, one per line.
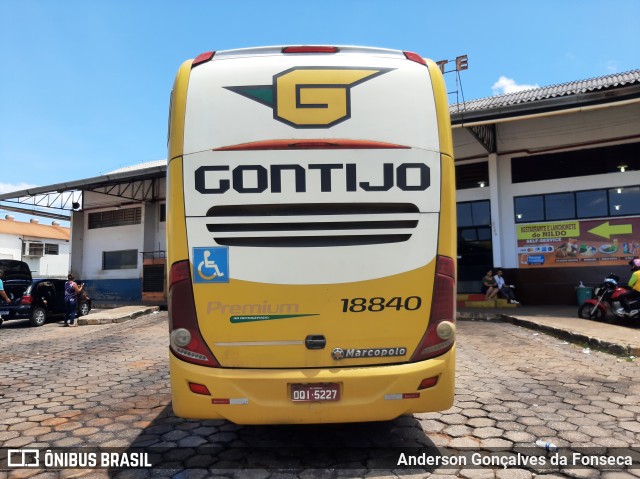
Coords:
35,299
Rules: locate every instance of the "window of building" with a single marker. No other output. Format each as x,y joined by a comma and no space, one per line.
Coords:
124,259
111,218
50,248
624,201
569,164
560,206
474,213
473,175
475,251
474,220
32,248
529,208
592,204
163,212
481,233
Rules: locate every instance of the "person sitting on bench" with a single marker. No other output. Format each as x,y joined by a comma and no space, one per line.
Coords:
504,289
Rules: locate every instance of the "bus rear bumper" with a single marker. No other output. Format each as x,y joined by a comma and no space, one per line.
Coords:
262,396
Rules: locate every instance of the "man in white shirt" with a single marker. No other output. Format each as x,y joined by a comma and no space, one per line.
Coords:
505,290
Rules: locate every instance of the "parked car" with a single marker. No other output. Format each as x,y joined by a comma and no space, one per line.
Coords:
35,299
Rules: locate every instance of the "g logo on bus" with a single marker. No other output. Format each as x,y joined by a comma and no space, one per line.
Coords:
310,97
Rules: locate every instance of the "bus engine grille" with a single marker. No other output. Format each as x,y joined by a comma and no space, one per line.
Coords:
313,224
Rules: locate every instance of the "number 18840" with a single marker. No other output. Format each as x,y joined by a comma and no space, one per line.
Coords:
359,305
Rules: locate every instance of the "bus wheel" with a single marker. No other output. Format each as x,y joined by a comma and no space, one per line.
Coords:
38,317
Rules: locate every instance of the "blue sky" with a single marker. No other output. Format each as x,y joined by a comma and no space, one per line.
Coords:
84,84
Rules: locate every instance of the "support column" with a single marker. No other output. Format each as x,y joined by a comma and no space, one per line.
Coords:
150,226
496,209
77,243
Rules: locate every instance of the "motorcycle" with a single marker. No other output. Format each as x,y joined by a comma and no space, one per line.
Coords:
607,300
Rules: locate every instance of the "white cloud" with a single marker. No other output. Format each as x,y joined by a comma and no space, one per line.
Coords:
8,187
509,85
611,66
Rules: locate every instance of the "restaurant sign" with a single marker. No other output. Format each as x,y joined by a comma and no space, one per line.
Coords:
578,243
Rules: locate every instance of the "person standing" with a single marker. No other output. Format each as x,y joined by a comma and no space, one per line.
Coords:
3,294
71,291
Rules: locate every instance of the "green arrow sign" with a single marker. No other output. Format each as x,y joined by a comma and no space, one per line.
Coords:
606,230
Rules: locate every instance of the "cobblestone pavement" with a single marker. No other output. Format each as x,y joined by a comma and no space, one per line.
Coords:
108,387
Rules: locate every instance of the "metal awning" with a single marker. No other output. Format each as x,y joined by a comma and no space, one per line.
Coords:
58,200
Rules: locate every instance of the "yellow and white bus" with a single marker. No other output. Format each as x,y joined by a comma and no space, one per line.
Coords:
311,236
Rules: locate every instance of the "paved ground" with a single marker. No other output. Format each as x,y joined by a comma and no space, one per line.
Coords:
106,386
617,336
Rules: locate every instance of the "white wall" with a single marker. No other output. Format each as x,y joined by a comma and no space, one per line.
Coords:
117,238
156,231
160,240
56,265
10,247
161,236
47,265
89,244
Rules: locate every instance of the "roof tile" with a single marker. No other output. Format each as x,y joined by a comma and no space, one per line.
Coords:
552,91
35,230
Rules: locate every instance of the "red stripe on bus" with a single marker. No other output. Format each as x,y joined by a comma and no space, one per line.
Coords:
312,145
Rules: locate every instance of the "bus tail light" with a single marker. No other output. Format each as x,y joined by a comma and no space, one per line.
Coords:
428,383
185,339
202,58
441,332
414,57
199,389
310,49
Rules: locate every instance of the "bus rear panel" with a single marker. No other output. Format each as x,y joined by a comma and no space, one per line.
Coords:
311,236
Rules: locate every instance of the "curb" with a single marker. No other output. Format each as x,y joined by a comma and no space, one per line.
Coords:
579,338
566,334
109,317
477,316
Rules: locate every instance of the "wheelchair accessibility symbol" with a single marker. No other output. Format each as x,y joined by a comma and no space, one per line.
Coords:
211,264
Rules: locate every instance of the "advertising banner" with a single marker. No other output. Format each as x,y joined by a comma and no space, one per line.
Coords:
578,243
